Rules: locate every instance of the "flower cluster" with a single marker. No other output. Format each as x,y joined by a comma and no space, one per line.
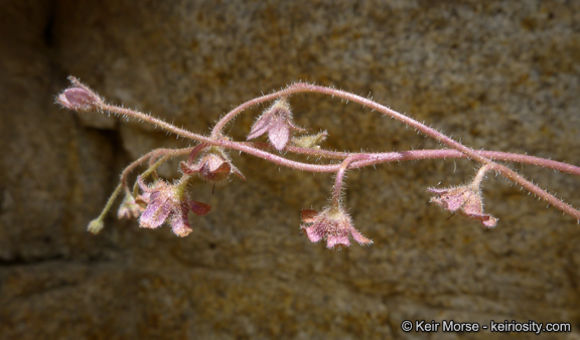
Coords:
168,202
161,202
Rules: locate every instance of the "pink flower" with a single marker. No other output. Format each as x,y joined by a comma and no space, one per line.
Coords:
332,224
213,165
277,121
465,198
166,203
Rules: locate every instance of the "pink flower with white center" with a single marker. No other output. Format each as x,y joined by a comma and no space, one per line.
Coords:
333,225
277,121
167,202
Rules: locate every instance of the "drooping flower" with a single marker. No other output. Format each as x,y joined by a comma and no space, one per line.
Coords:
466,198
212,165
167,202
129,208
333,225
277,121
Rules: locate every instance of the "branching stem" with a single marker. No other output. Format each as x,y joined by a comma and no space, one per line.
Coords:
459,150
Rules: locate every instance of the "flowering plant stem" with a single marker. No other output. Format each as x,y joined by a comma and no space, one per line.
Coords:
349,160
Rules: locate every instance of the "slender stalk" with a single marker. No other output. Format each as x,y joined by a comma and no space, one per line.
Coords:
429,154
480,175
97,224
338,181
150,155
110,202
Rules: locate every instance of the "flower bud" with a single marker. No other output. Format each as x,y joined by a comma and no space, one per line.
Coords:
95,226
310,141
79,97
129,208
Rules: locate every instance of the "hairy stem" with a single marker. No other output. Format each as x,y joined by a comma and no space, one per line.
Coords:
429,154
480,175
97,224
300,87
426,130
338,181
150,155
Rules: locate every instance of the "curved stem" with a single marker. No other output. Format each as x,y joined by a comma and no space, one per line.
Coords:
426,130
337,189
300,87
150,155
303,87
430,154
480,175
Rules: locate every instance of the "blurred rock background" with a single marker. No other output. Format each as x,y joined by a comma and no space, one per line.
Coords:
493,74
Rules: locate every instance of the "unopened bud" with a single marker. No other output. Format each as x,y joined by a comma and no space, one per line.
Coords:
78,97
310,141
95,226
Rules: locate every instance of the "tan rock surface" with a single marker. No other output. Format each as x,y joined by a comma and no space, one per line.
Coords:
495,75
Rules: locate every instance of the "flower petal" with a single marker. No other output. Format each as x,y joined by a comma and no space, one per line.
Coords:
357,236
213,163
313,233
237,172
334,240
199,208
156,213
195,151
180,225
308,215
487,220
188,169
279,133
260,126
